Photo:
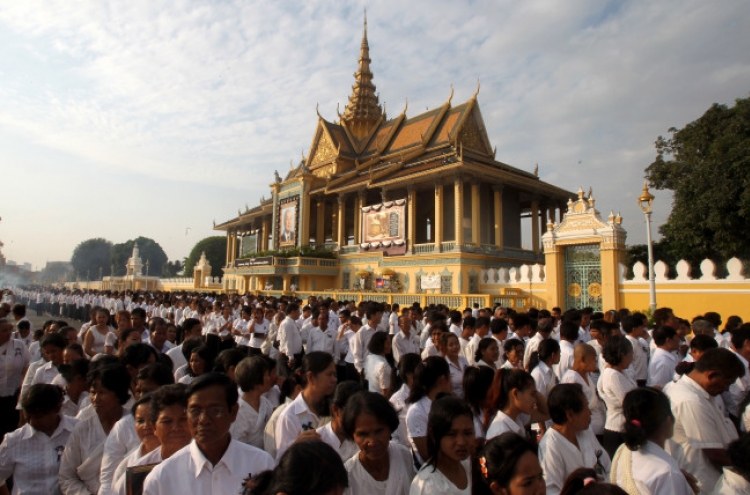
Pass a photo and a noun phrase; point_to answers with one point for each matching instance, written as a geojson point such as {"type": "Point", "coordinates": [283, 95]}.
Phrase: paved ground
{"type": "Point", "coordinates": [38, 321]}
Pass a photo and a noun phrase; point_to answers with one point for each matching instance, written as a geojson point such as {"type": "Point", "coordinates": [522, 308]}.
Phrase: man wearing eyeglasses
{"type": "Point", "coordinates": [213, 462]}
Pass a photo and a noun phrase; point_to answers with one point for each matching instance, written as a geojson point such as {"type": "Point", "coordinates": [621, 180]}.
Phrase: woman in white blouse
{"type": "Point", "coordinates": [540, 365]}
{"type": "Point", "coordinates": [306, 412]}
{"type": "Point", "coordinates": [513, 354]}
{"type": "Point", "coordinates": [513, 403]}
{"type": "Point", "coordinates": [641, 465]}
{"type": "Point", "coordinates": [477, 383]}
{"type": "Point", "coordinates": [487, 354]}
{"type": "Point", "coordinates": [451, 350]}
{"type": "Point", "coordinates": [109, 390]}
{"type": "Point", "coordinates": [31, 454]}
{"type": "Point", "coordinates": [570, 444]}
{"type": "Point", "coordinates": [333, 432]}
{"type": "Point", "coordinates": [450, 428]}
{"type": "Point", "coordinates": [736, 479]}
{"type": "Point", "coordinates": [144, 430]}
{"type": "Point", "coordinates": [613, 385]}
{"type": "Point", "coordinates": [380, 466]}
{"type": "Point", "coordinates": [584, 364]}
{"type": "Point", "coordinates": [406, 367]}
{"type": "Point", "coordinates": [253, 375]}
{"type": "Point", "coordinates": [377, 370]}
{"type": "Point", "coordinates": [431, 378]}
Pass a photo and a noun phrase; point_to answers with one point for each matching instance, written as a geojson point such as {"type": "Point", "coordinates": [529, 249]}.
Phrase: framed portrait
{"type": "Point", "coordinates": [287, 222]}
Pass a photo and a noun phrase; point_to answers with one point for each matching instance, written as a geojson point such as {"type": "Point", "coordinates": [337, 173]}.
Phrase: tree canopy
{"type": "Point", "coordinates": [150, 251]}
{"type": "Point", "coordinates": [215, 248]}
{"type": "Point", "coordinates": [91, 255]}
{"type": "Point", "coordinates": [707, 166]}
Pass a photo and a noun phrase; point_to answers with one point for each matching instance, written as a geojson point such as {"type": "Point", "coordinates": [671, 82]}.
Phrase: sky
{"type": "Point", "coordinates": [155, 118]}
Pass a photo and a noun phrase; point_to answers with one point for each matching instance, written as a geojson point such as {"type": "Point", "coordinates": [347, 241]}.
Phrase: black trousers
{"type": "Point", "coordinates": [9, 413]}
{"type": "Point", "coordinates": [612, 441]}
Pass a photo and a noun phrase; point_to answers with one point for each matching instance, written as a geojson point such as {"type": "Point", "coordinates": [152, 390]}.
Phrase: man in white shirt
{"type": "Point", "coordinates": [739, 389]}
{"type": "Point", "coordinates": [455, 323]}
{"type": "Point", "coordinates": [663, 362]}
{"type": "Point", "coordinates": [290, 340]}
{"type": "Point", "coordinates": [481, 329]}
{"type": "Point", "coordinates": [213, 462]}
{"type": "Point", "coordinates": [321, 337]}
{"type": "Point", "coordinates": [635, 331]}
{"type": "Point", "coordinates": [499, 330]}
{"type": "Point", "coordinates": [192, 329]}
{"type": "Point", "coordinates": [362, 338]}
{"type": "Point", "coordinates": [701, 432]}
{"type": "Point", "coordinates": [393, 319]}
{"type": "Point", "coordinates": [543, 331]}
{"type": "Point", "coordinates": [404, 342]}
{"type": "Point", "coordinates": [568, 338]}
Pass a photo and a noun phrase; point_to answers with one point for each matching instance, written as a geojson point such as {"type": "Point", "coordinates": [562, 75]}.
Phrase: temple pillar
{"type": "Point", "coordinates": [341, 237]}
{"type": "Point", "coordinates": [411, 216]}
{"type": "Point", "coordinates": [458, 203]}
{"type": "Point", "coordinates": [305, 215]}
{"type": "Point", "coordinates": [359, 203]}
{"type": "Point", "coordinates": [535, 225]}
{"type": "Point", "coordinates": [229, 246]}
{"type": "Point", "coordinates": [265, 230]}
{"type": "Point", "coordinates": [476, 226]}
{"type": "Point", "coordinates": [320, 233]}
{"type": "Point", "coordinates": [498, 202]}
{"type": "Point", "coordinates": [438, 216]}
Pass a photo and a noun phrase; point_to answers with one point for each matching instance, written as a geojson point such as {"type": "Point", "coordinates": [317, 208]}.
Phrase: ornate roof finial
{"type": "Point", "coordinates": [450, 97]}
{"type": "Point", "coordinates": [476, 93]}
{"type": "Point", "coordinates": [363, 110]}
{"type": "Point", "coordinates": [536, 170]}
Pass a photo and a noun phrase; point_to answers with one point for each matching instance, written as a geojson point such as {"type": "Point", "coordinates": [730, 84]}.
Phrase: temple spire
{"type": "Point", "coordinates": [363, 110]}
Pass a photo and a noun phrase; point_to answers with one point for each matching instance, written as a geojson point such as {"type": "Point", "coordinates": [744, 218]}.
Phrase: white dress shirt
{"type": "Point", "coordinates": [402, 344]}
{"type": "Point", "coordinates": [457, 376]}
{"type": "Point", "coordinates": [121, 440]}
{"type": "Point", "coordinates": [398, 400]}
{"type": "Point", "coordinates": [567, 356]}
{"type": "Point", "coordinates": [290, 340]}
{"type": "Point", "coordinates": [321, 340]}
{"type": "Point", "coordinates": [699, 424]}
{"type": "Point", "coordinates": [295, 419]}
{"type": "Point", "coordinates": [33, 458]}
{"type": "Point", "coordinates": [651, 469]}
{"type": "Point", "coordinates": [531, 346]}
{"type": "Point", "coordinates": [346, 449]}
{"type": "Point", "coordinates": [249, 425]}
{"type": "Point", "coordinates": [661, 368]}
{"type": "Point", "coordinates": [639, 366]}
{"type": "Point", "coordinates": [416, 422]}
{"type": "Point", "coordinates": [359, 345]}
{"type": "Point", "coordinates": [596, 405]}
{"type": "Point", "coordinates": [558, 457]}
{"type": "Point", "coordinates": [612, 387]}
{"type": "Point", "coordinates": [188, 472]}
{"type": "Point", "coordinates": [377, 373]}
{"type": "Point", "coordinates": [430, 481]}
{"type": "Point", "coordinates": [731, 483]}
{"type": "Point", "coordinates": [14, 359]}
{"type": "Point", "coordinates": [502, 423]}
{"type": "Point", "coordinates": [544, 378]}
{"type": "Point", "coordinates": [399, 479]}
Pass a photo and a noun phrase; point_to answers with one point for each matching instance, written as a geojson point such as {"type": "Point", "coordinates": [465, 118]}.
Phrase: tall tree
{"type": "Point", "coordinates": [707, 166]}
{"type": "Point", "coordinates": [215, 248]}
{"type": "Point", "coordinates": [150, 251]}
{"type": "Point", "coordinates": [91, 255]}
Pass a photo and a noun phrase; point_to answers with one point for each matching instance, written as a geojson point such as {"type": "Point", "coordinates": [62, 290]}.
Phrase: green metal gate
{"type": "Point", "coordinates": [583, 277]}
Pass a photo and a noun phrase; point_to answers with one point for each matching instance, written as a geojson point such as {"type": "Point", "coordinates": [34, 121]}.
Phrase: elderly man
{"type": "Point", "coordinates": [213, 462]}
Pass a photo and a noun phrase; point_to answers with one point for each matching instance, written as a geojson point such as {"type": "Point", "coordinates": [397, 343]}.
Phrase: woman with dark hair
{"type": "Point", "coordinates": [450, 442]}
{"type": "Point", "coordinates": [305, 413]}
{"type": "Point", "coordinates": [583, 482]}
{"type": "Point", "coordinates": [570, 444]}
{"type": "Point", "coordinates": [109, 390]}
{"type": "Point", "coordinates": [508, 465]}
{"type": "Point", "coordinates": [540, 365]}
{"type": "Point", "coordinates": [253, 376]}
{"type": "Point", "coordinates": [736, 479]}
{"type": "Point", "coordinates": [201, 361]}
{"type": "Point", "coordinates": [407, 364]}
{"type": "Point", "coordinates": [380, 466]}
{"type": "Point", "coordinates": [513, 354]}
{"type": "Point", "coordinates": [377, 370]}
{"type": "Point", "coordinates": [290, 388]}
{"type": "Point", "coordinates": [613, 385]}
{"type": "Point", "coordinates": [488, 352]}
{"type": "Point", "coordinates": [306, 468]}
{"type": "Point", "coordinates": [30, 454]}
{"type": "Point", "coordinates": [513, 403]}
{"type": "Point", "coordinates": [333, 433]}
{"type": "Point", "coordinates": [477, 383]}
{"type": "Point", "coordinates": [127, 337]}
{"type": "Point", "coordinates": [431, 378]}
{"type": "Point", "coordinates": [144, 430]}
{"type": "Point", "coordinates": [450, 348]}
{"type": "Point", "coordinates": [641, 466]}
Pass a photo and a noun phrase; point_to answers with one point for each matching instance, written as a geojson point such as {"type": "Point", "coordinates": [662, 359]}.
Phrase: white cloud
{"type": "Point", "coordinates": [212, 97]}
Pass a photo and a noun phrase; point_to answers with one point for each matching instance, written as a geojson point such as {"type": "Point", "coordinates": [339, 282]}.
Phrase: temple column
{"type": "Point", "coordinates": [229, 246]}
{"type": "Point", "coordinates": [476, 226]}
{"type": "Point", "coordinates": [458, 203]}
{"type": "Point", "coordinates": [438, 216]}
{"type": "Point", "coordinates": [320, 233]}
{"type": "Point", "coordinates": [535, 225]}
{"type": "Point", "coordinates": [341, 237]}
{"type": "Point", "coordinates": [359, 203]}
{"type": "Point", "coordinates": [498, 202]}
{"type": "Point", "coordinates": [305, 215]}
{"type": "Point", "coordinates": [411, 216]}
{"type": "Point", "coordinates": [266, 228]}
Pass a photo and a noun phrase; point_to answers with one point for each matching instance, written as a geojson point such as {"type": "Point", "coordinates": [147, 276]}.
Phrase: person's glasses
{"type": "Point", "coordinates": [212, 413]}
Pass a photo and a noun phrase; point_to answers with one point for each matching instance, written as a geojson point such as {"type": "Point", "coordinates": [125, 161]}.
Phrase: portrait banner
{"type": "Point", "coordinates": [286, 226]}
{"type": "Point", "coordinates": [383, 227]}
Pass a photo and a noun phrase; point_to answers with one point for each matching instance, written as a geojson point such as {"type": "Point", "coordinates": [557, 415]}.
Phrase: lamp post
{"type": "Point", "coordinates": [645, 201]}
{"type": "Point", "coordinates": [147, 263]}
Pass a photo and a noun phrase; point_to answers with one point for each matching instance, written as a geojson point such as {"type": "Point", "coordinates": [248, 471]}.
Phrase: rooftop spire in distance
{"type": "Point", "coordinates": [363, 110]}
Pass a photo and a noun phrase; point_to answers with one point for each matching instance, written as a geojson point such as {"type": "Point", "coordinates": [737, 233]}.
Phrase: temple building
{"type": "Point", "coordinates": [405, 204]}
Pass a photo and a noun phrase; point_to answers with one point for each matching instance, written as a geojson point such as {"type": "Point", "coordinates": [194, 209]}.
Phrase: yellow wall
{"type": "Point", "coordinates": [692, 298]}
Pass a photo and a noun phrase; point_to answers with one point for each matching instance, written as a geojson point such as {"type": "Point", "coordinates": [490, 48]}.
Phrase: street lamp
{"type": "Point", "coordinates": [645, 201]}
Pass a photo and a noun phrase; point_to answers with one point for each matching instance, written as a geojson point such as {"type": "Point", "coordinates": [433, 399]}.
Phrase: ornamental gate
{"type": "Point", "coordinates": [583, 277]}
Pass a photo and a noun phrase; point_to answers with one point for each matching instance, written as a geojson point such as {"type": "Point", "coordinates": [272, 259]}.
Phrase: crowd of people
{"type": "Point", "coordinates": [230, 394]}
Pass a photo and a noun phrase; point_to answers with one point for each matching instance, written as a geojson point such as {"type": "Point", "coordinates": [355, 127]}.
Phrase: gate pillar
{"type": "Point", "coordinates": [582, 257]}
